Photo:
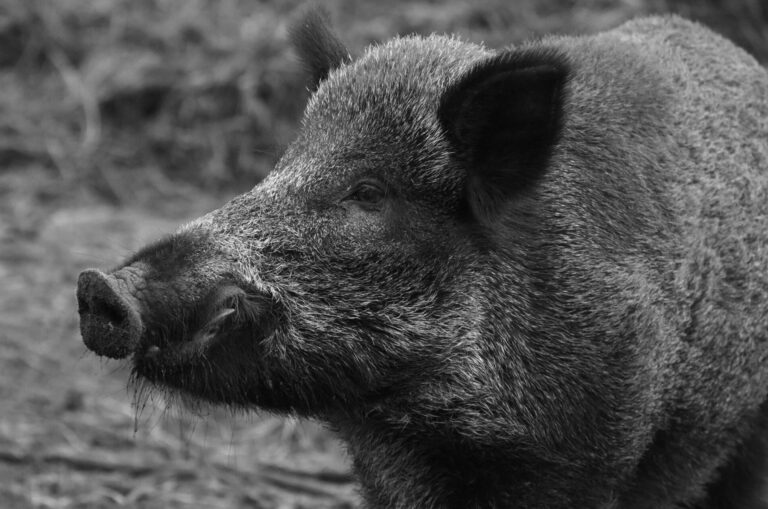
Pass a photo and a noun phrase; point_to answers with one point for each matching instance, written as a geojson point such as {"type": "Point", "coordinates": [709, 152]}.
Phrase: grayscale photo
{"type": "Point", "coordinates": [384, 255]}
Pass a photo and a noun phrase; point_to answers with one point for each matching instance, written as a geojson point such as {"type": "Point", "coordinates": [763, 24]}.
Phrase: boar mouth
{"type": "Point", "coordinates": [166, 335]}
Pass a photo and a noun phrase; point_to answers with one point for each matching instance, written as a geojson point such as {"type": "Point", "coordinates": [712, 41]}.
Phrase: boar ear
{"type": "Point", "coordinates": [502, 119]}
{"type": "Point", "coordinates": [319, 49]}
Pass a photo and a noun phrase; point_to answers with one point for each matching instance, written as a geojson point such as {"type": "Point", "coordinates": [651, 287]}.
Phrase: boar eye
{"type": "Point", "coordinates": [367, 193]}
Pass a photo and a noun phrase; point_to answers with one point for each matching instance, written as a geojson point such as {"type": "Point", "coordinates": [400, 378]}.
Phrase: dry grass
{"type": "Point", "coordinates": [164, 107]}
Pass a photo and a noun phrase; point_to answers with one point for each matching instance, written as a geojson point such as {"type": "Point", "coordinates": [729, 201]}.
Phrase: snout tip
{"type": "Point", "coordinates": [110, 324]}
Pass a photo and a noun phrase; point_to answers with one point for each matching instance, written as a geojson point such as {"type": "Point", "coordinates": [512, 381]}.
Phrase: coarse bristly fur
{"type": "Point", "coordinates": [534, 277]}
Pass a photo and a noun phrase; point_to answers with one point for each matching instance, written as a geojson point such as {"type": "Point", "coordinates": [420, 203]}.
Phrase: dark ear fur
{"type": "Point", "coordinates": [503, 118]}
{"type": "Point", "coordinates": [318, 47]}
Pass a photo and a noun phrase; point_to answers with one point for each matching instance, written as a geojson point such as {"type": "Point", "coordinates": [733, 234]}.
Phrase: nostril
{"type": "Point", "coordinates": [109, 320]}
{"type": "Point", "coordinates": [111, 313]}
{"type": "Point", "coordinates": [101, 301]}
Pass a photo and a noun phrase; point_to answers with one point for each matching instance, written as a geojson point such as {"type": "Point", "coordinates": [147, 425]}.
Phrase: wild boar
{"type": "Point", "coordinates": [534, 277]}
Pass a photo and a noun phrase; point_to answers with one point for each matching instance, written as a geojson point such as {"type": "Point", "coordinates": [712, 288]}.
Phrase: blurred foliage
{"type": "Point", "coordinates": [156, 98]}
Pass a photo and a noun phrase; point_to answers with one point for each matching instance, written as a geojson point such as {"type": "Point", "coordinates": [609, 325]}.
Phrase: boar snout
{"type": "Point", "coordinates": [109, 321]}
{"type": "Point", "coordinates": [168, 326]}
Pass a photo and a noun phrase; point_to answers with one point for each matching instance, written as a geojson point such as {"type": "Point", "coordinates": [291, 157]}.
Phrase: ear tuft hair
{"type": "Point", "coordinates": [319, 49]}
{"type": "Point", "coordinates": [503, 119]}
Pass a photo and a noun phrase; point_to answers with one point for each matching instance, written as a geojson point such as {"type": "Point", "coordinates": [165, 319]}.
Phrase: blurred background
{"type": "Point", "coordinates": [119, 119]}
